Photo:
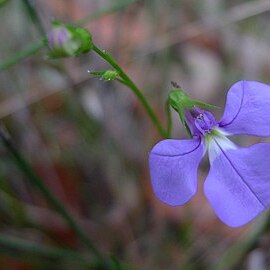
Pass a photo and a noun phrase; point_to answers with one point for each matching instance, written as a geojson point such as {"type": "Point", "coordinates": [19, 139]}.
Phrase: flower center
{"type": "Point", "coordinates": [205, 122]}
{"type": "Point", "coordinates": [217, 143]}
{"type": "Point", "coordinates": [200, 122]}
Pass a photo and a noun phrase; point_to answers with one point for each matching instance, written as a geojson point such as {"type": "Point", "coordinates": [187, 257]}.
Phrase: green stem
{"type": "Point", "coordinates": [16, 244]}
{"type": "Point", "coordinates": [35, 46]}
{"type": "Point", "coordinates": [33, 14]}
{"type": "Point", "coordinates": [29, 50]}
{"type": "Point", "coordinates": [51, 199]}
{"type": "Point", "coordinates": [129, 83]}
{"type": "Point", "coordinates": [169, 118]}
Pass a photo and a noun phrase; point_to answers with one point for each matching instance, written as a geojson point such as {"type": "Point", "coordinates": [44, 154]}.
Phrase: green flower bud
{"type": "Point", "coordinates": [109, 75]}
{"type": "Point", "coordinates": [106, 75]}
{"type": "Point", "coordinates": [66, 40]}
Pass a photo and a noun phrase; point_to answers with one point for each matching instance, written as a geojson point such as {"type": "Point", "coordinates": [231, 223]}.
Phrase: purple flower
{"type": "Point", "coordinates": [238, 184]}
{"type": "Point", "coordinates": [61, 42]}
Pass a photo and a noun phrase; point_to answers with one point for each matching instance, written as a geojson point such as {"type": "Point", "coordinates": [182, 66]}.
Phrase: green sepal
{"type": "Point", "coordinates": [106, 75]}
{"type": "Point", "coordinates": [204, 105]}
{"type": "Point", "coordinates": [181, 114]}
{"type": "Point", "coordinates": [181, 102]}
{"type": "Point", "coordinates": [178, 98]}
{"type": "Point", "coordinates": [83, 36]}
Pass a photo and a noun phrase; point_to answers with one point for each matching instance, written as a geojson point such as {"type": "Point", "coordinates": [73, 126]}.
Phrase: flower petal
{"type": "Point", "coordinates": [247, 109]}
{"type": "Point", "coordinates": [218, 144]}
{"type": "Point", "coordinates": [238, 184]}
{"type": "Point", "coordinates": [173, 169]}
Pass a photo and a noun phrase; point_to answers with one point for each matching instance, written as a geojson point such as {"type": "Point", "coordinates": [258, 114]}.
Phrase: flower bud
{"type": "Point", "coordinates": [66, 40]}
{"type": "Point", "coordinates": [109, 75]}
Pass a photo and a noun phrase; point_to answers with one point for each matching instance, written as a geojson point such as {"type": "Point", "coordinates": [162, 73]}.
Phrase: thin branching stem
{"type": "Point", "coordinates": [169, 118]}
{"type": "Point", "coordinates": [37, 182]}
{"type": "Point", "coordinates": [25, 246]}
{"type": "Point", "coordinates": [130, 84]}
{"type": "Point", "coordinates": [24, 53]}
{"type": "Point", "coordinates": [35, 46]}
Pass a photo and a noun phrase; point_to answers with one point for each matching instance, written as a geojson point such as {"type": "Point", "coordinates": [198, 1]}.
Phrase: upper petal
{"type": "Point", "coordinates": [238, 184]}
{"type": "Point", "coordinates": [173, 169]}
{"type": "Point", "coordinates": [247, 109]}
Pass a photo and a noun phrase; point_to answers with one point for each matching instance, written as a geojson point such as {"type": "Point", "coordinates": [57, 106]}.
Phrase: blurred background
{"type": "Point", "coordinates": [89, 139]}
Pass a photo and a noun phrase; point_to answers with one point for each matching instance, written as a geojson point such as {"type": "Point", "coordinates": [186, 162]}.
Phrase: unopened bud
{"type": "Point", "coordinates": [109, 75]}
{"type": "Point", "coordinates": [66, 40]}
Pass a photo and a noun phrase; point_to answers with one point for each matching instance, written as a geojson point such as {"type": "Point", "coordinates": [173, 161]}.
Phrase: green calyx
{"type": "Point", "coordinates": [181, 103]}
{"type": "Point", "coordinates": [179, 100]}
{"type": "Point", "coordinates": [107, 75]}
{"type": "Point", "coordinates": [83, 37]}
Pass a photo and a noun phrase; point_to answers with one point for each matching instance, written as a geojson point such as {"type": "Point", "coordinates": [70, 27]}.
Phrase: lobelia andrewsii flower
{"type": "Point", "coordinates": [238, 184]}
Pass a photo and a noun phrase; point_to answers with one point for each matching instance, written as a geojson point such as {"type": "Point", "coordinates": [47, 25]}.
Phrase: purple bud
{"type": "Point", "coordinates": [68, 40]}
{"type": "Point", "coordinates": [58, 37]}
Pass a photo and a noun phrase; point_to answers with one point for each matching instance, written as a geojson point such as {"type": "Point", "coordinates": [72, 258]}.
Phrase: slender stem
{"type": "Point", "coordinates": [169, 118]}
{"type": "Point", "coordinates": [33, 14]}
{"type": "Point", "coordinates": [129, 83]}
{"type": "Point", "coordinates": [35, 46]}
{"type": "Point", "coordinates": [52, 200]}
{"type": "Point", "coordinates": [24, 53]}
{"type": "Point", "coordinates": [14, 243]}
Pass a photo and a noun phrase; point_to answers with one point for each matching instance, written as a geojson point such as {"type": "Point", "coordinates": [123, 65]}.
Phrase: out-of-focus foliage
{"type": "Point", "coordinates": [89, 139]}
